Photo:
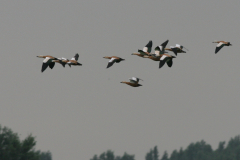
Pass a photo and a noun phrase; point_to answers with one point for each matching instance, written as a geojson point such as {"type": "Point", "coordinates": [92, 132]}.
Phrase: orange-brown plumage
{"type": "Point", "coordinates": [113, 59]}
{"type": "Point", "coordinates": [131, 84]}
{"type": "Point", "coordinates": [221, 44]}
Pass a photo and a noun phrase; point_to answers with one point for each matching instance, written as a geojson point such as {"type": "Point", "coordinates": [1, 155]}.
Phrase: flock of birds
{"type": "Point", "coordinates": [50, 61]}
{"type": "Point", "coordinates": [158, 55]}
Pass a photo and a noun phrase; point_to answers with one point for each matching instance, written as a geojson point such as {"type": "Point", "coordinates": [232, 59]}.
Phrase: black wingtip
{"type": "Point", "coordinates": [44, 67]}
{"type": "Point", "coordinates": [161, 63]}
{"type": "Point", "coordinates": [164, 44]}
{"type": "Point", "coordinates": [149, 45]}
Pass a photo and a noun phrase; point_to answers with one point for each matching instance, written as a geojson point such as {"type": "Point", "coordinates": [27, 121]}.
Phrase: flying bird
{"type": "Point", "coordinates": [113, 59]}
{"type": "Point", "coordinates": [177, 49]}
{"type": "Point", "coordinates": [146, 50]}
{"type": "Point", "coordinates": [221, 44]}
{"type": "Point", "coordinates": [48, 61]}
{"type": "Point", "coordinates": [160, 50]}
{"type": "Point", "coordinates": [133, 82]}
{"type": "Point", "coordinates": [74, 61]}
{"type": "Point", "coordinates": [166, 59]}
{"type": "Point", "coordinates": [63, 61]}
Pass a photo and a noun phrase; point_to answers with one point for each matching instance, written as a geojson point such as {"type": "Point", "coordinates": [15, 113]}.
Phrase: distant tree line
{"type": "Point", "coordinates": [195, 151]}
{"type": "Point", "coordinates": [12, 148]}
{"type": "Point", "coordinates": [109, 155]}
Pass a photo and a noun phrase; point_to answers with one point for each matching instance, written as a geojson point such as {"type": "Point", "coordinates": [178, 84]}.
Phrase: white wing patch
{"type": "Point", "coordinates": [145, 49]}
{"type": "Point", "coordinates": [134, 78]}
{"type": "Point", "coordinates": [178, 45]}
{"type": "Point", "coordinates": [46, 60]}
{"type": "Point", "coordinates": [161, 48]}
{"type": "Point", "coordinates": [163, 57]}
{"type": "Point", "coordinates": [220, 44]}
{"type": "Point", "coordinates": [112, 59]}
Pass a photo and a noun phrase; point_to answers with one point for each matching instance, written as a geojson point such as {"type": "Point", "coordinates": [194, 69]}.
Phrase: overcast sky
{"type": "Point", "coordinates": [85, 110]}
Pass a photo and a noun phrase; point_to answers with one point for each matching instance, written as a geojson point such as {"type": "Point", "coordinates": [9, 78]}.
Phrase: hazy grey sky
{"type": "Point", "coordinates": [85, 110]}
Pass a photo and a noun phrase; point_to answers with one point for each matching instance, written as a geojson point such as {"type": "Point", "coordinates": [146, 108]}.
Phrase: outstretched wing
{"type": "Point", "coordinates": [163, 60]}
{"type": "Point", "coordinates": [179, 46]}
{"type": "Point", "coordinates": [164, 44]}
{"type": "Point", "coordinates": [111, 62]}
{"type": "Point", "coordinates": [219, 46]}
{"type": "Point", "coordinates": [159, 50]}
{"type": "Point", "coordinates": [44, 66]}
{"type": "Point", "coordinates": [51, 65]}
{"type": "Point", "coordinates": [75, 57]}
{"type": "Point", "coordinates": [134, 80]}
{"type": "Point", "coordinates": [148, 47]}
{"type": "Point", "coordinates": [169, 63]}
{"type": "Point", "coordinates": [175, 50]}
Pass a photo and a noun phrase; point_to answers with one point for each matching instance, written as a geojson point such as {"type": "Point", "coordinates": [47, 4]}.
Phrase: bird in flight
{"type": "Point", "coordinates": [221, 44]}
{"type": "Point", "coordinates": [48, 61]}
{"type": "Point", "coordinates": [133, 82]}
{"type": "Point", "coordinates": [113, 59]}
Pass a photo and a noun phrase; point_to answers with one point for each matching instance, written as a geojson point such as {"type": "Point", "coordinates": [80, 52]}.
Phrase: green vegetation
{"type": "Point", "coordinates": [195, 151]}
{"type": "Point", "coordinates": [12, 148]}
{"type": "Point", "coordinates": [109, 155]}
